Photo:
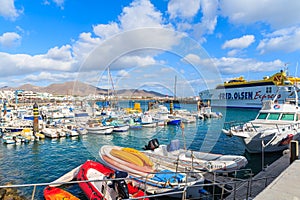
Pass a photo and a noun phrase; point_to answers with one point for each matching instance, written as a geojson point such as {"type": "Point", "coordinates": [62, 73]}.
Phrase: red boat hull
{"type": "Point", "coordinates": [88, 188]}
{"type": "Point", "coordinates": [54, 193]}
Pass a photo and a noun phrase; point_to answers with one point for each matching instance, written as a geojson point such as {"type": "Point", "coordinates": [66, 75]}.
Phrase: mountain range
{"type": "Point", "coordinates": [77, 88]}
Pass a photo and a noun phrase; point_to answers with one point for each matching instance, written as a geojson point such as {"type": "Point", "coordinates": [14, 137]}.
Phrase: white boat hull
{"type": "Point", "coordinates": [244, 97]}
{"type": "Point", "coordinates": [101, 130]}
{"type": "Point", "coordinates": [194, 182]}
{"type": "Point", "coordinates": [121, 128]}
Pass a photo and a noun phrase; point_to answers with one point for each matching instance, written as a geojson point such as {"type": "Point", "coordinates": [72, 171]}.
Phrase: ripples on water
{"type": "Point", "coordinates": [47, 160]}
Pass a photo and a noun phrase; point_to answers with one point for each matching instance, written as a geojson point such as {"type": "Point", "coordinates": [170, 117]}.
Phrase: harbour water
{"type": "Point", "coordinates": [46, 160]}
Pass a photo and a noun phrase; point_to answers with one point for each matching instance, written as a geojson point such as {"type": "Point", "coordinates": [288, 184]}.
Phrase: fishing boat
{"type": "Point", "coordinates": [55, 193]}
{"type": "Point", "coordinates": [98, 126]}
{"type": "Point", "coordinates": [70, 129]}
{"type": "Point", "coordinates": [121, 128]}
{"type": "Point", "coordinates": [174, 121]}
{"type": "Point", "coordinates": [147, 121]}
{"type": "Point", "coordinates": [153, 178]}
{"type": "Point", "coordinates": [100, 130]}
{"type": "Point", "coordinates": [172, 156]}
{"type": "Point", "coordinates": [105, 183]}
{"type": "Point", "coordinates": [275, 125]}
{"type": "Point", "coordinates": [82, 131]}
{"type": "Point", "coordinates": [51, 132]}
{"type": "Point", "coordinates": [240, 93]}
{"type": "Point", "coordinates": [134, 125]}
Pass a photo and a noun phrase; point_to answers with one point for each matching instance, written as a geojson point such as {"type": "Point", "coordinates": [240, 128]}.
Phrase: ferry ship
{"type": "Point", "coordinates": [239, 93]}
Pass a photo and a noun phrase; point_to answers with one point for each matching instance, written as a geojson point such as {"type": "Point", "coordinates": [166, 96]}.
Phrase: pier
{"type": "Point", "coordinates": [277, 181]}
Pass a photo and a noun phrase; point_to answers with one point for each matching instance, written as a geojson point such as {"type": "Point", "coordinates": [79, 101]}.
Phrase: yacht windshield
{"type": "Point", "coordinates": [273, 116]}
{"type": "Point", "coordinates": [287, 117]}
{"type": "Point", "coordinates": [262, 116]}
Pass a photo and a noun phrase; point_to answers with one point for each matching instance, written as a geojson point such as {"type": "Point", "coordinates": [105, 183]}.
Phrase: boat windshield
{"type": "Point", "coordinates": [262, 116]}
{"type": "Point", "coordinates": [273, 116]}
{"type": "Point", "coordinates": [287, 117]}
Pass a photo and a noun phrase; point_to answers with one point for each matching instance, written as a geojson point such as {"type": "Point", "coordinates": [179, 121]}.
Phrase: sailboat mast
{"type": "Point", "coordinates": [108, 83]}
{"type": "Point", "coordinates": [175, 85]}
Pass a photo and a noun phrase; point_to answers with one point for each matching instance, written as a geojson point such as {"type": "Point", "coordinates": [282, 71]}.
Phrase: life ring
{"type": "Point", "coordinates": [276, 106]}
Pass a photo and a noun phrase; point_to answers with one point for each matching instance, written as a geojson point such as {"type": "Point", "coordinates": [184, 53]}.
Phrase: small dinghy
{"type": "Point", "coordinates": [105, 183]}
{"type": "Point", "coordinates": [203, 161]}
{"type": "Point", "coordinates": [55, 193]}
{"type": "Point", "coordinates": [153, 178]}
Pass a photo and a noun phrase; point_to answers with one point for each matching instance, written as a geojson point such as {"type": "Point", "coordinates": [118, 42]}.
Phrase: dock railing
{"type": "Point", "coordinates": [240, 188]}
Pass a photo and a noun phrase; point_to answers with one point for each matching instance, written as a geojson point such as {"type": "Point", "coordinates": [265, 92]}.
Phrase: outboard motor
{"type": "Point", "coordinates": [121, 185]}
{"type": "Point", "coordinates": [152, 144]}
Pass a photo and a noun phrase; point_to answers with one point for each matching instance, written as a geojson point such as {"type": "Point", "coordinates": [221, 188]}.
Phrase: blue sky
{"type": "Point", "coordinates": [147, 43]}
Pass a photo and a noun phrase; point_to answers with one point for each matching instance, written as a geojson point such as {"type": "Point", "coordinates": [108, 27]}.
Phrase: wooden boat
{"type": "Point", "coordinates": [55, 193]}
{"type": "Point", "coordinates": [157, 179]}
{"type": "Point", "coordinates": [104, 185]}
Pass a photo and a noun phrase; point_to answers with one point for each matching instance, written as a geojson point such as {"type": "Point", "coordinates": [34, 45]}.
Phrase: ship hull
{"type": "Point", "coordinates": [244, 97]}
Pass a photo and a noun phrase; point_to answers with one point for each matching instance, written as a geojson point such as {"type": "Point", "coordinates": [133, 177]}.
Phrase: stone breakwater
{"type": "Point", "coordinates": [10, 194]}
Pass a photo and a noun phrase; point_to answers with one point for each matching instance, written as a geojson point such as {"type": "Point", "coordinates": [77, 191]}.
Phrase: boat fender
{"type": "Point", "coordinates": [203, 191]}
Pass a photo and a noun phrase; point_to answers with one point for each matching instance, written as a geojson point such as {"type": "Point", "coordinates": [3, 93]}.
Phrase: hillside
{"type": "Point", "coordinates": [82, 89]}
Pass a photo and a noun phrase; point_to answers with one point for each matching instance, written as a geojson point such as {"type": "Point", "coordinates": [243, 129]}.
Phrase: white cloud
{"type": "Point", "coordinates": [10, 39]}
{"type": "Point", "coordinates": [192, 58]}
{"type": "Point", "coordinates": [183, 9]}
{"type": "Point", "coordinates": [239, 65]}
{"type": "Point", "coordinates": [133, 61]}
{"type": "Point", "coordinates": [140, 14]}
{"type": "Point", "coordinates": [239, 43]}
{"type": "Point", "coordinates": [286, 40]}
{"type": "Point", "coordinates": [21, 64]}
{"type": "Point", "coordinates": [146, 41]}
{"type": "Point", "coordinates": [47, 77]}
{"type": "Point", "coordinates": [233, 52]}
{"type": "Point", "coordinates": [234, 65]}
{"type": "Point", "coordinates": [59, 3]}
{"type": "Point", "coordinates": [278, 14]}
{"type": "Point", "coordinates": [105, 31]}
{"type": "Point", "coordinates": [84, 45]}
{"type": "Point", "coordinates": [60, 54]}
{"type": "Point", "coordinates": [8, 10]}
{"type": "Point", "coordinates": [123, 73]}
{"type": "Point", "coordinates": [209, 19]}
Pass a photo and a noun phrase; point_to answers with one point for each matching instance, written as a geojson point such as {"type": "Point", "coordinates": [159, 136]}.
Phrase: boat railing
{"type": "Point", "coordinates": [237, 125]}
{"type": "Point", "coordinates": [240, 126]}
{"type": "Point", "coordinates": [239, 188]}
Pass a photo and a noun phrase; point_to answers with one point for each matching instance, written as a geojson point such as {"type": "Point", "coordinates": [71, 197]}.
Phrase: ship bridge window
{"type": "Point", "coordinates": [273, 116]}
{"type": "Point", "coordinates": [262, 116]}
{"type": "Point", "coordinates": [287, 117]}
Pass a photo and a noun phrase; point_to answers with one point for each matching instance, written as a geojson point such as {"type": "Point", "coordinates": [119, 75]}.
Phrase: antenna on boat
{"type": "Point", "coordinates": [296, 70]}
{"type": "Point", "coordinates": [286, 69]}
